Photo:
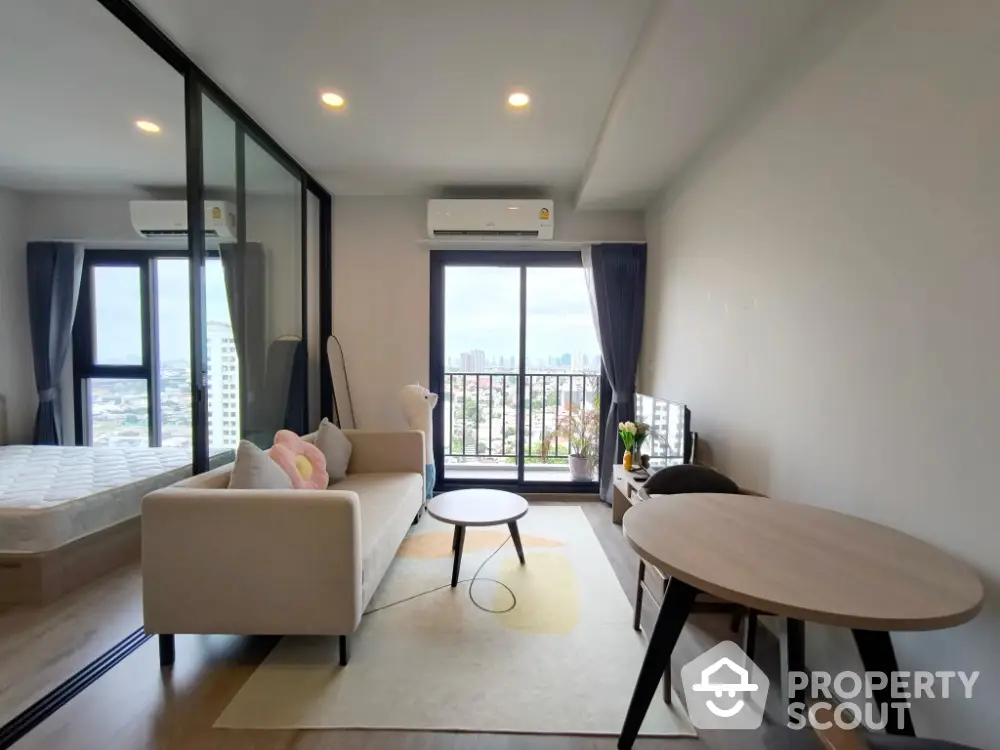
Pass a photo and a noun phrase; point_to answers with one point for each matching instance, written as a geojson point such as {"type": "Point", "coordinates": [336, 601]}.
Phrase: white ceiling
{"type": "Point", "coordinates": [73, 80]}
{"type": "Point", "coordinates": [624, 91]}
{"type": "Point", "coordinates": [697, 62]}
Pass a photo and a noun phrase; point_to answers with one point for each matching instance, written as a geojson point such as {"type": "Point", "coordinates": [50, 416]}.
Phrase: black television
{"type": "Point", "coordinates": [670, 438]}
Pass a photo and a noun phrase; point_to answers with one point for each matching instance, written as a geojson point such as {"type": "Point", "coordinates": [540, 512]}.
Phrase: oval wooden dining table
{"type": "Point", "coordinates": [796, 561]}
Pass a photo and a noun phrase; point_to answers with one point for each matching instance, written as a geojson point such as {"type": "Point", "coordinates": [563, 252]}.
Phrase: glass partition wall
{"type": "Point", "coordinates": [250, 258]}
{"type": "Point", "coordinates": [184, 339]}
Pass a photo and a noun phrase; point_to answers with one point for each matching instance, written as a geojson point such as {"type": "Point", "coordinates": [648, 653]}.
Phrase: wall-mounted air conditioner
{"type": "Point", "coordinates": [459, 218]}
{"type": "Point", "coordinates": [166, 219]}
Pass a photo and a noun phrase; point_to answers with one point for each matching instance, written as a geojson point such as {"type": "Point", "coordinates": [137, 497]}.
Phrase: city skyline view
{"type": "Point", "coordinates": [482, 313]}
{"type": "Point", "coordinates": [117, 300]}
{"type": "Point", "coordinates": [119, 408]}
{"type": "Point", "coordinates": [478, 360]}
{"type": "Point", "coordinates": [482, 335]}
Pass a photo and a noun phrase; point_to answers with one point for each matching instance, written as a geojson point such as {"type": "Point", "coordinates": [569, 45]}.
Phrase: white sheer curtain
{"type": "Point", "coordinates": [588, 275]}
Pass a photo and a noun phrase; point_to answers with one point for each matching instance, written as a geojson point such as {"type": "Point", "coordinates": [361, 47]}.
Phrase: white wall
{"type": "Point", "coordinates": [381, 291]}
{"type": "Point", "coordinates": [823, 293]}
{"type": "Point", "coordinates": [17, 374]}
{"type": "Point", "coordinates": [98, 219]}
{"type": "Point", "coordinates": [80, 217]}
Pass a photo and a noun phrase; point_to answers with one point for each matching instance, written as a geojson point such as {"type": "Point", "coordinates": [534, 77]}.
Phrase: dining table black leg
{"type": "Point", "coordinates": [459, 543]}
{"type": "Point", "coordinates": [750, 633]}
{"type": "Point", "coordinates": [878, 655]}
{"type": "Point", "coordinates": [673, 614]}
{"type": "Point", "coordinates": [793, 657]}
{"type": "Point", "coordinates": [454, 539]}
{"type": "Point", "coordinates": [516, 536]}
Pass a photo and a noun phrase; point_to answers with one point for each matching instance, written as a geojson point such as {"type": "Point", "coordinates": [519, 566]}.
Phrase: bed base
{"type": "Point", "coordinates": [40, 577]}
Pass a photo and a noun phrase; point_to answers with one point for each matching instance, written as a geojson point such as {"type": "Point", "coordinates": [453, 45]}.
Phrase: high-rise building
{"type": "Point", "coordinates": [223, 387]}
{"type": "Point", "coordinates": [474, 361]}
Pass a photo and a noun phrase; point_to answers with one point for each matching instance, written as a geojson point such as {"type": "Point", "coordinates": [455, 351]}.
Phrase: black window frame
{"type": "Point", "coordinates": [85, 368]}
{"type": "Point", "coordinates": [517, 258]}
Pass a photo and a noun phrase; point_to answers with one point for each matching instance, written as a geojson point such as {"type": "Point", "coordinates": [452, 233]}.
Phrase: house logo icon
{"type": "Point", "coordinates": [724, 689]}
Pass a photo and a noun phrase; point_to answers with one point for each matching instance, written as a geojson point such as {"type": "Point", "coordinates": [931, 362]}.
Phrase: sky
{"type": "Point", "coordinates": [482, 304]}
{"type": "Point", "coordinates": [117, 308]}
{"type": "Point", "coordinates": [481, 309]}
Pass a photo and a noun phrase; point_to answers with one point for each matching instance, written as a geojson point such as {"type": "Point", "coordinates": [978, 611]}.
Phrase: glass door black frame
{"type": "Point", "coordinates": [196, 84]}
{"type": "Point", "coordinates": [523, 259]}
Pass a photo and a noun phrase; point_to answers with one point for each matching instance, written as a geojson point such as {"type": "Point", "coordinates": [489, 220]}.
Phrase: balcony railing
{"type": "Point", "coordinates": [480, 412]}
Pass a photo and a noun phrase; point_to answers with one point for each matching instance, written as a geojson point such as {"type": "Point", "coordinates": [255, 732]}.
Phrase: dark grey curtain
{"type": "Point", "coordinates": [54, 272]}
{"type": "Point", "coordinates": [619, 290]}
{"type": "Point", "coordinates": [244, 268]}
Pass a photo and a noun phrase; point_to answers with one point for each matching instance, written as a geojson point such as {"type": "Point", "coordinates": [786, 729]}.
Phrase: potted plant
{"type": "Point", "coordinates": [579, 426]}
{"type": "Point", "coordinates": [626, 431]}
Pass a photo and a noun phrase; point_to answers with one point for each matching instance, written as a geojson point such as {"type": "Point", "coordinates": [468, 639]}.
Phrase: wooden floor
{"type": "Point", "coordinates": [41, 646]}
{"type": "Point", "coordinates": [137, 707]}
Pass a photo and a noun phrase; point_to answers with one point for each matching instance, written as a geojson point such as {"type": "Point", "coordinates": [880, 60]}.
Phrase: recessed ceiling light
{"type": "Point", "coordinates": [332, 99]}
{"type": "Point", "coordinates": [147, 126]}
{"type": "Point", "coordinates": [518, 99]}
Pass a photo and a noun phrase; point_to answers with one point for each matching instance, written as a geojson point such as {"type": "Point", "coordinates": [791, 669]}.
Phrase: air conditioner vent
{"type": "Point", "coordinates": [527, 233]}
{"type": "Point", "coordinates": [168, 233]}
{"type": "Point", "coordinates": [494, 218]}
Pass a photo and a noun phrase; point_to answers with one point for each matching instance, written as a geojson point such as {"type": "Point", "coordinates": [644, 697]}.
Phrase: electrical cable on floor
{"type": "Point", "coordinates": [471, 582]}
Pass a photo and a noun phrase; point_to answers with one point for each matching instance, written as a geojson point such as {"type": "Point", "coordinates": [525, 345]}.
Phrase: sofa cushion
{"type": "Point", "coordinates": [255, 470]}
{"type": "Point", "coordinates": [336, 447]}
{"type": "Point", "coordinates": [388, 503]}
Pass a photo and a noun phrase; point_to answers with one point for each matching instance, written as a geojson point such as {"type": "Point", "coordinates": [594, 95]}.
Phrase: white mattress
{"type": "Point", "coordinates": [52, 495]}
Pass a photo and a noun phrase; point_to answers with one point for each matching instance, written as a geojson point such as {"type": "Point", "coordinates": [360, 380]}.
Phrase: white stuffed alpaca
{"type": "Point", "coordinates": [418, 403]}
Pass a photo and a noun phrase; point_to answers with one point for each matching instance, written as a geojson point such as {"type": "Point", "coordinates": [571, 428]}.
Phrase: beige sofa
{"type": "Point", "coordinates": [289, 562]}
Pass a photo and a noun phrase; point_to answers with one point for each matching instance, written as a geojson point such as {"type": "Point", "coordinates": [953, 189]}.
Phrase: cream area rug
{"type": "Point", "coordinates": [564, 660]}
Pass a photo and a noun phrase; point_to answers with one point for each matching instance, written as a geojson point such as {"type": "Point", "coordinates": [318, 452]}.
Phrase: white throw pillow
{"type": "Point", "coordinates": [336, 447]}
{"type": "Point", "coordinates": [255, 470]}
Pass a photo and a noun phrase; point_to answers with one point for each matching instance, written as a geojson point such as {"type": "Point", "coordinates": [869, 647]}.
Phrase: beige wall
{"type": "Point", "coordinates": [823, 293]}
{"type": "Point", "coordinates": [17, 374]}
{"type": "Point", "coordinates": [381, 291]}
{"type": "Point", "coordinates": [80, 216]}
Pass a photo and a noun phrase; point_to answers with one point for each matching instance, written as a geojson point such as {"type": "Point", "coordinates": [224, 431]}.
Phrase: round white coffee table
{"type": "Point", "coordinates": [478, 508]}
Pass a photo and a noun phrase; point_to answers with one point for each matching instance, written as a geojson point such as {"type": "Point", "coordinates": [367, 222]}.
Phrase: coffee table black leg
{"type": "Point", "coordinates": [454, 540]}
{"type": "Point", "coordinates": [459, 543]}
{"type": "Point", "coordinates": [516, 536]}
{"type": "Point", "coordinates": [793, 657]}
{"type": "Point", "coordinates": [674, 612]}
{"type": "Point", "coordinates": [878, 655]}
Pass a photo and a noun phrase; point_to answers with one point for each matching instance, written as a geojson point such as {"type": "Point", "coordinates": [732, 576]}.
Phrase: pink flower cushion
{"type": "Point", "coordinates": [303, 462]}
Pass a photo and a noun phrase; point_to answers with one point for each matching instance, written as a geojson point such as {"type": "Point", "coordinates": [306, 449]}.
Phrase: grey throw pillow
{"type": "Point", "coordinates": [684, 478]}
{"type": "Point", "coordinates": [335, 445]}
{"type": "Point", "coordinates": [255, 470]}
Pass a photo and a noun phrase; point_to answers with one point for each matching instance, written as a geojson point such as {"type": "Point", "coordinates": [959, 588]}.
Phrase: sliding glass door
{"type": "Point", "coordinates": [481, 369]}
{"type": "Point", "coordinates": [249, 285]}
{"type": "Point", "coordinates": [516, 362]}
